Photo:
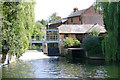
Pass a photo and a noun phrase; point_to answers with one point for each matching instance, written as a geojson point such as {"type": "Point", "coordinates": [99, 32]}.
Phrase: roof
{"type": "Point", "coordinates": [77, 13]}
{"type": "Point", "coordinates": [43, 28]}
{"type": "Point", "coordinates": [58, 21]}
{"type": "Point", "coordinates": [84, 28]}
{"type": "Point", "coordinates": [98, 27]}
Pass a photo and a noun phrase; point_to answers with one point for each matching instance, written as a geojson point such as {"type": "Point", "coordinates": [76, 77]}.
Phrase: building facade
{"type": "Point", "coordinates": [76, 24]}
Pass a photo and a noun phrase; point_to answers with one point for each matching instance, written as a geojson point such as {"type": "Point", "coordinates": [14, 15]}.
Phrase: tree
{"type": "Point", "coordinates": [95, 32]}
{"type": "Point", "coordinates": [111, 44]}
{"type": "Point", "coordinates": [53, 17]}
{"type": "Point", "coordinates": [43, 22]}
{"type": "Point", "coordinates": [18, 24]}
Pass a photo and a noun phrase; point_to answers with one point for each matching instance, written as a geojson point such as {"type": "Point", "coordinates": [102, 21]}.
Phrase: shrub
{"type": "Point", "coordinates": [91, 44]}
{"type": "Point", "coordinates": [42, 33]}
{"type": "Point", "coordinates": [69, 42]}
{"type": "Point", "coordinates": [95, 32]}
{"type": "Point", "coordinates": [76, 42]}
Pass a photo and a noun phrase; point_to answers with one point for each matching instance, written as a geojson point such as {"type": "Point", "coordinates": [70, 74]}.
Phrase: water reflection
{"type": "Point", "coordinates": [0, 72]}
{"type": "Point", "coordinates": [60, 67]}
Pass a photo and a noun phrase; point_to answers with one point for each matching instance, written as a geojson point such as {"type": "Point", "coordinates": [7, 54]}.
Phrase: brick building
{"type": "Point", "coordinates": [86, 16]}
{"type": "Point", "coordinates": [79, 31]}
{"type": "Point", "coordinates": [78, 18]}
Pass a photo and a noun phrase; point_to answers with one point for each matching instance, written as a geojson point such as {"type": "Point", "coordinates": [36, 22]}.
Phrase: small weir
{"type": "Point", "coordinates": [53, 38]}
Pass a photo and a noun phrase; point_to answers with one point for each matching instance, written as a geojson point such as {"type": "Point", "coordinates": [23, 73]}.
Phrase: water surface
{"type": "Point", "coordinates": [60, 67]}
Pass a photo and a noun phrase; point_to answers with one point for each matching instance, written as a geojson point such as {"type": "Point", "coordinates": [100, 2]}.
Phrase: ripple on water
{"type": "Point", "coordinates": [58, 67]}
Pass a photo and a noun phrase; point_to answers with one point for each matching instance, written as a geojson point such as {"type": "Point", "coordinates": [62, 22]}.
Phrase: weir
{"type": "Point", "coordinates": [51, 42]}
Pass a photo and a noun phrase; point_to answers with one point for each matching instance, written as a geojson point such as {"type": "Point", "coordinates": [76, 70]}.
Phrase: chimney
{"type": "Point", "coordinates": [75, 9]}
{"type": "Point", "coordinates": [59, 17]}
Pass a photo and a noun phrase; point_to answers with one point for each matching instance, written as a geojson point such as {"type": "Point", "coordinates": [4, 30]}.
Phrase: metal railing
{"type": "Point", "coordinates": [45, 38]}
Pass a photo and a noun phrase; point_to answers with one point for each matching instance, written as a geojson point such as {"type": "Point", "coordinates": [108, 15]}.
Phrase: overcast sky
{"type": "Point", "coordinates": [44, 8]}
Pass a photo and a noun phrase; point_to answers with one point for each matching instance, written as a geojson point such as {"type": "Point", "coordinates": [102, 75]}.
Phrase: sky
{"type": "Point", "coordinates": [44, 8]}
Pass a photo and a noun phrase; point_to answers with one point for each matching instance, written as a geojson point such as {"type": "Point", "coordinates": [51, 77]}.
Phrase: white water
{"type": "Point", "coordinates": [33, 55]}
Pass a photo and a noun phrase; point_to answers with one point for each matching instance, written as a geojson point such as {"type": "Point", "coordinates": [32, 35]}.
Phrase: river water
{"type": "Point", "coordinates": [60, 67]}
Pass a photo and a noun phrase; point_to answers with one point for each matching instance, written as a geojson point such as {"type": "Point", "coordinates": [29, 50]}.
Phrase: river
{"type": "Point", "coordinates": [59, 67]}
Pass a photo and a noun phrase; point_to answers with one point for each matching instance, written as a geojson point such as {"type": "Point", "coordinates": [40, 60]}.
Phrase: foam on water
{"type": "Point", "coordinates": [32, 55]}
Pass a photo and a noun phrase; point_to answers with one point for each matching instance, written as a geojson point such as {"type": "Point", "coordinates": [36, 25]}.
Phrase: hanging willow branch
{"type": "Point", "coordinates": [110, 17]}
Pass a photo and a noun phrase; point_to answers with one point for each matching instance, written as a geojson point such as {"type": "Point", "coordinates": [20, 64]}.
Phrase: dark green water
{"type": "Point", "coordinates": [0, 73]}
{"type": "Point", "coordinates": [59, 67]}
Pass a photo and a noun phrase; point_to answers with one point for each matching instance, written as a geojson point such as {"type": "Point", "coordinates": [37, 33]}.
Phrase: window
{"type": "Point", "coordinates": [52, 45]}
{"type": "Point", "coordinates": [71, 19]}
{"type": "Point", "coordinates": [79, 37]}
{"type": "Point", "coordinates": [66, 35]}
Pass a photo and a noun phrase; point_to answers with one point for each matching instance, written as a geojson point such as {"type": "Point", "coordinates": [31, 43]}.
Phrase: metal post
{"type": "Point", "coordinates": [39, 37]}
{"type": "Point", "coordinates": [44, 37]}
{"type": "Point", "coordinates": [55, 38]}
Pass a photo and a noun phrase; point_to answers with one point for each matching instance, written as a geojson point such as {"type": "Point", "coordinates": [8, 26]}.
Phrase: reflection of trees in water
{"type": "Point", "coordinates": [54, 67]}
{"type": "Point", "coordinates": [88, 68]}
{"type": "Point", "coordinates": [96, 72]}
{"type": "Point", "coordinates": [101, 69]}
{"type": "Point", "coordinates": [18, 70]}
{"type": "Point", "coordinates": [72, 70]}
{"type": "Point", "coordinates": [0, 73]}
{"type": "Point", "coordinates": [59, 67]}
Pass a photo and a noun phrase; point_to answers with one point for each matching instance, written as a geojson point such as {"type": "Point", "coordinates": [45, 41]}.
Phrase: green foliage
{"type": "Point", "coordinates": [69, 42]}
{"type": "Point", "coordinates": [18, 23]}
{"type": "Point", "coordinates": [91, 44]}
{"type": "Point", "coordinates": [53, 17]}
{"type": "Point", "coordinates": [39, 25]}
{"type": "Point", "coordinates": [35, 31]}
{"type": "Point", "coordinates": [95, 32]}
{"type": "Point", "coordinates": [43, 22]}
{"type": "Point", "coordinates": [76, 42]}
{"type": "Point", "coordinates": [111, 19]}
{"type": "Point", "coordinates": [35, 46]}
{"type": "Point", "coordinates": [42, 33]}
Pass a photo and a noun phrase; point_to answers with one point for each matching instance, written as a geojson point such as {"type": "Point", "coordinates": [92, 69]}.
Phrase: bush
{"type": "Point", "coordinates": [95, 32]}
{"type": "Point", "coordinates": [91, 44]}
{"type": "Point", "coordinates": [76, 42]}
{"type": "Point", "coordinates": [70, 42]}
{"type": "Point", "coordinates": [42, 33]}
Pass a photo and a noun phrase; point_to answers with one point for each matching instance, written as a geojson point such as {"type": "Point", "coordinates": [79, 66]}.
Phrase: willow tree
{"type": "Point", "coordinates": [111, 11]}
{"type": "Point", "coordinates": [18, 23]}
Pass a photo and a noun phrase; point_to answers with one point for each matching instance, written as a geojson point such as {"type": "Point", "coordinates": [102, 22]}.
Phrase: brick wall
{"type": "Point", "coordinates": [72, 35]}
{"type": "Point", "coordinates": [69, 35]}
{"type": "Point", "coordinates": [92, 17]}
{"type": "Point", "coordinates": [62, 35]}
{"type": "Point", "coordinates": [88, 17]}
{"type": "Point", "coordinates": [76, 20]}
